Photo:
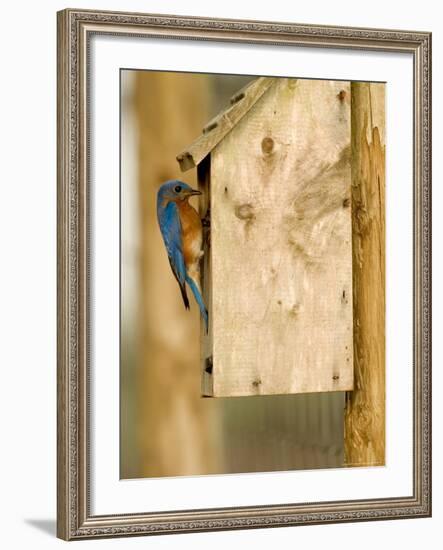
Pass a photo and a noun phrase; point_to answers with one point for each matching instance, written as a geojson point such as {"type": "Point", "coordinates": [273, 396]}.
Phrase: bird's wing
{"type": "Point", "coordinates": [171, 229]}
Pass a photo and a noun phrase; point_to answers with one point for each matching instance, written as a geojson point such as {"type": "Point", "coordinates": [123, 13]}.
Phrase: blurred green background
{"type": "Point", "coordinates": [166, 428]}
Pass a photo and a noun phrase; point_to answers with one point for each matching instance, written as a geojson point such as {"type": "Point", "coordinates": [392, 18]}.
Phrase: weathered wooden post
{"type": "Point", "coordinates": [365, 406]}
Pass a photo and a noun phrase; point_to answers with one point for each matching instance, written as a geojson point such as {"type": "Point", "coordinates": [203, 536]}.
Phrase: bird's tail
{"type": "Point", "coordinates": [199, 299]}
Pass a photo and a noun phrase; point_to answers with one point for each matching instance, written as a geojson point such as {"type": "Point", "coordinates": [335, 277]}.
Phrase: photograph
{"type": "Point", "coordinates": [244, 247]}
{"type": "Point", "coordinates": [252, 264]}
{"type": "Point", "coordinates": [218, 223]}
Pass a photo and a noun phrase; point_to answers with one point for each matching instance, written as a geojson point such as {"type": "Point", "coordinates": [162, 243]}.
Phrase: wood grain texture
{"type": "Point", "coordinates": [365, 406]}
{"type": "Point", "coordinates": [217, 128]}
{"type": "Point", "coordinates": [204, 178]}
{"type": "Point", "coordinates": [281, 244]}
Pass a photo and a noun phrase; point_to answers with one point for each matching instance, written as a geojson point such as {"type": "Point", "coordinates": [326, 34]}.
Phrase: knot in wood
{"type": "Point", "coordinates": [341, 95]}
{"type": "Point", "coordinates": [245, 212]}
{"type": "Point", "coordinates": [267, 145]}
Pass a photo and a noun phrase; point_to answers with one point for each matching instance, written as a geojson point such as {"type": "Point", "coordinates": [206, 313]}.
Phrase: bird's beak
{"type": "Point", "coordinates": [193, 192]}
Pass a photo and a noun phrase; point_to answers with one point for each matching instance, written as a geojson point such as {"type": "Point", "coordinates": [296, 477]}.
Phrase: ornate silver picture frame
{"type": "Point", "coordinates": [74, 517]}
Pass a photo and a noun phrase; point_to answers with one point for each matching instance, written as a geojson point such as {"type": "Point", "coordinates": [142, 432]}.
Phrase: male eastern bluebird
{"type": "Point", "coordinates": [181, 228]}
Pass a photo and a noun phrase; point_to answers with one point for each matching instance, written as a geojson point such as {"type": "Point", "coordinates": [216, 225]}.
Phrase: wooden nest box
{"type": "Point", "coordinates": [275, 172]}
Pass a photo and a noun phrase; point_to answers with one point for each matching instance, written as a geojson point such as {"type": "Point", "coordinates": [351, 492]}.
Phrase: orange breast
{"type": "Point", "coordinates": [192, 232]}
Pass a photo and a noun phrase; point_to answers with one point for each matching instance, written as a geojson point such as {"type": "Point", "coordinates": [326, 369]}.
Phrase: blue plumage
{"type": "Point", "coordinates": [199, 299]}
{"type": "Point", "coordinates": [181, 228]}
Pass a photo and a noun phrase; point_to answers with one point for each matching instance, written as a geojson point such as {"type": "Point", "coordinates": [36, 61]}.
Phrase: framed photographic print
{"type": "Point", "coordinates": [243, 274]}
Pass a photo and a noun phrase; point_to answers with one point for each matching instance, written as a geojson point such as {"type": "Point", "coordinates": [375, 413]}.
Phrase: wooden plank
{"type": "Point", "coordinates": [281, 244]}
{"type": "Point", "coordinates": [365, 406]}
{"type": "Point", "coordinates": [217, 128]}
{"type": "Point", "coordinates": [203, 177]}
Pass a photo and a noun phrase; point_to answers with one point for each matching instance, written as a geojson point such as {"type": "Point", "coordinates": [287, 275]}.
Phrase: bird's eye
{"type": "Point", "coordinates": [177, 188]}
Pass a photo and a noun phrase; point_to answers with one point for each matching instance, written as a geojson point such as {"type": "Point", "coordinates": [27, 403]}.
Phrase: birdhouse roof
{"type": "Point", "coordinates": [217, 128]}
